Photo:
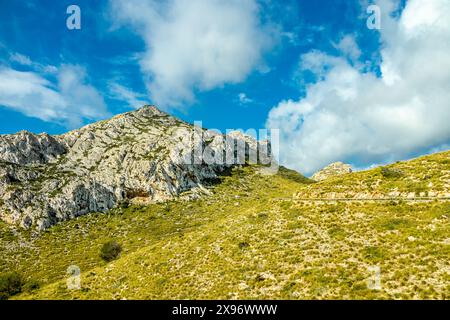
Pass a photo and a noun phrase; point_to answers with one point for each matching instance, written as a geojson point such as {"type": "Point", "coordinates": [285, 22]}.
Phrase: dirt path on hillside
{"type": "Point", "coordinates": [405, 199]}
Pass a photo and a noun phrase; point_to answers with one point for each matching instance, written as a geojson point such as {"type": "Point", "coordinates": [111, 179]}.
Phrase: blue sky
{"type": "Point", "coordinates": [124, 53]}
{"type": "Point", "coordinates": [37, 29]}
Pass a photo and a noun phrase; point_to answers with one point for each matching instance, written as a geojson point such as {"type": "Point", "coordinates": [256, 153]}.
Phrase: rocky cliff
{"type": "Point", "coordinates": [332, 170]}
{"type": "Point", "coordinates": [144, 154]}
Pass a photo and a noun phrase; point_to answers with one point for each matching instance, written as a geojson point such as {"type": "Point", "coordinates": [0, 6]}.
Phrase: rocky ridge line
{"type": "Point", "coordinates": [45, 179]}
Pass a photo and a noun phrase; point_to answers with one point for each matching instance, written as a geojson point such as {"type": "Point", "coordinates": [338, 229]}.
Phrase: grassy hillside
{"type": "Point", "coordinates": [251, 239]}
{"type": "Point", "coordinates": [427, 176]}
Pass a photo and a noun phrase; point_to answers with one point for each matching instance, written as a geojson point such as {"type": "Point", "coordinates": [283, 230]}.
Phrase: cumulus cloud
{"type": "Point", "coordinates": [357, 117]}
{"type": "Point", "coordinates": [194, 44]}
{"type": "Point", "coordinates": [347, 45]}
{"type": "Point", "coordinates": [68, 101]}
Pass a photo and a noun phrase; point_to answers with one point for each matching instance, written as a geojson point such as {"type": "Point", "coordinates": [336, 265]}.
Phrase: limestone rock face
{"type": "Point", "coordinates": [145, 153]}
{"type": "Point", "coordinates": [27, 148]}
{"type": "Point", "coordinates": [332, 170]}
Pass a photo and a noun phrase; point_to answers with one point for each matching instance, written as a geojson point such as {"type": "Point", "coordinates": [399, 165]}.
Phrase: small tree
{"type": "Point", "coordinates": [110, 251]}
{"type": "Point", "coordinates": [10, 284]}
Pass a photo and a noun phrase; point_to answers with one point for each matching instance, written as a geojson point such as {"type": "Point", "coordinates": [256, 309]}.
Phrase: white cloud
{"type": "Point", "coordinates": [353, 116]}
{"type": "Point", "coordinates": [68, 102]}
{"type": "Point", "coordinates": [195, 44]}
{"type": "Point", "coordinates": [133, 99]}
{"type": "Point", "coordinates": [26, 61]}
{"type": "Point", "coordinates": [20, 58]}
{"type": "Point", "coordinates": [347, 45]}
{"type": "Point", "coordinates": [243, 99]}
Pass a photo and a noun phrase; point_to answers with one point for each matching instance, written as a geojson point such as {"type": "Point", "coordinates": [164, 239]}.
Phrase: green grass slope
{"type": "Point", "coordinates": [251, 239]}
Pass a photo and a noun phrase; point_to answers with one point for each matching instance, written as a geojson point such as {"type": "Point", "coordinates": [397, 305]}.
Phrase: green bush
{"type": "Point", "coordinates": [243, 245]}
{"type": "Point", "coordinates": [417, 187]}
{"type": "Point", "coordinates": [110, 251]}
{"type": "Point", "coordinates": [31, 286]}
{"type": "Point", "coordinates": [10, 284]}
{"type": "Point", "coordinates": [124, 204]}
{"type": "Point", "coordinates": [391, 173]}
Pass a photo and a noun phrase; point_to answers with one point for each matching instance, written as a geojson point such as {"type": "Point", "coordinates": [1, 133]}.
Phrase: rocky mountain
{"type": "Point", "coordinates": [332, 170]}
{"type": "Point", "coordinates": [144, 155]}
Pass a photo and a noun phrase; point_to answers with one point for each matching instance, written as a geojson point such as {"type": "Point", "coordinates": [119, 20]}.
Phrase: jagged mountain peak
{"type": "Point", "coordinates": [141, 115]}
{"type": "Point", "coordinates": [146, 111]}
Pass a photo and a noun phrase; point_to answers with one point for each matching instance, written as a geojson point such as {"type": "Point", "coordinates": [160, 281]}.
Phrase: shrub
{"type": "Point", "coordinates": [373, 253]}
{"type": "Point", "coordinates": [110, 251]}
{"type": "Point", "coordinates": [395, 223]}
{"type": "Point", "coordinates": [31, 286]}
{"type": "Point", "coordinates": [391, 173]}
{"type": "Point", "coordinates": [243, 245]}
{"type": "Point", "coordinates": [124, 204]}
{"type": "Point", "coordinates": [417, 187]}
{"type": "Point", "coordinates": [10, 284]}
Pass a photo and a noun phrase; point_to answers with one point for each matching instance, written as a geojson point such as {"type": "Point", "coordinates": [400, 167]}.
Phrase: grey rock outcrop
{"type": "Point", "coordinates": [332, 170]}
{"type": "Point", "coordinates": [27, 148]}
{"type": "Point", "coordinates": [140, 154]}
